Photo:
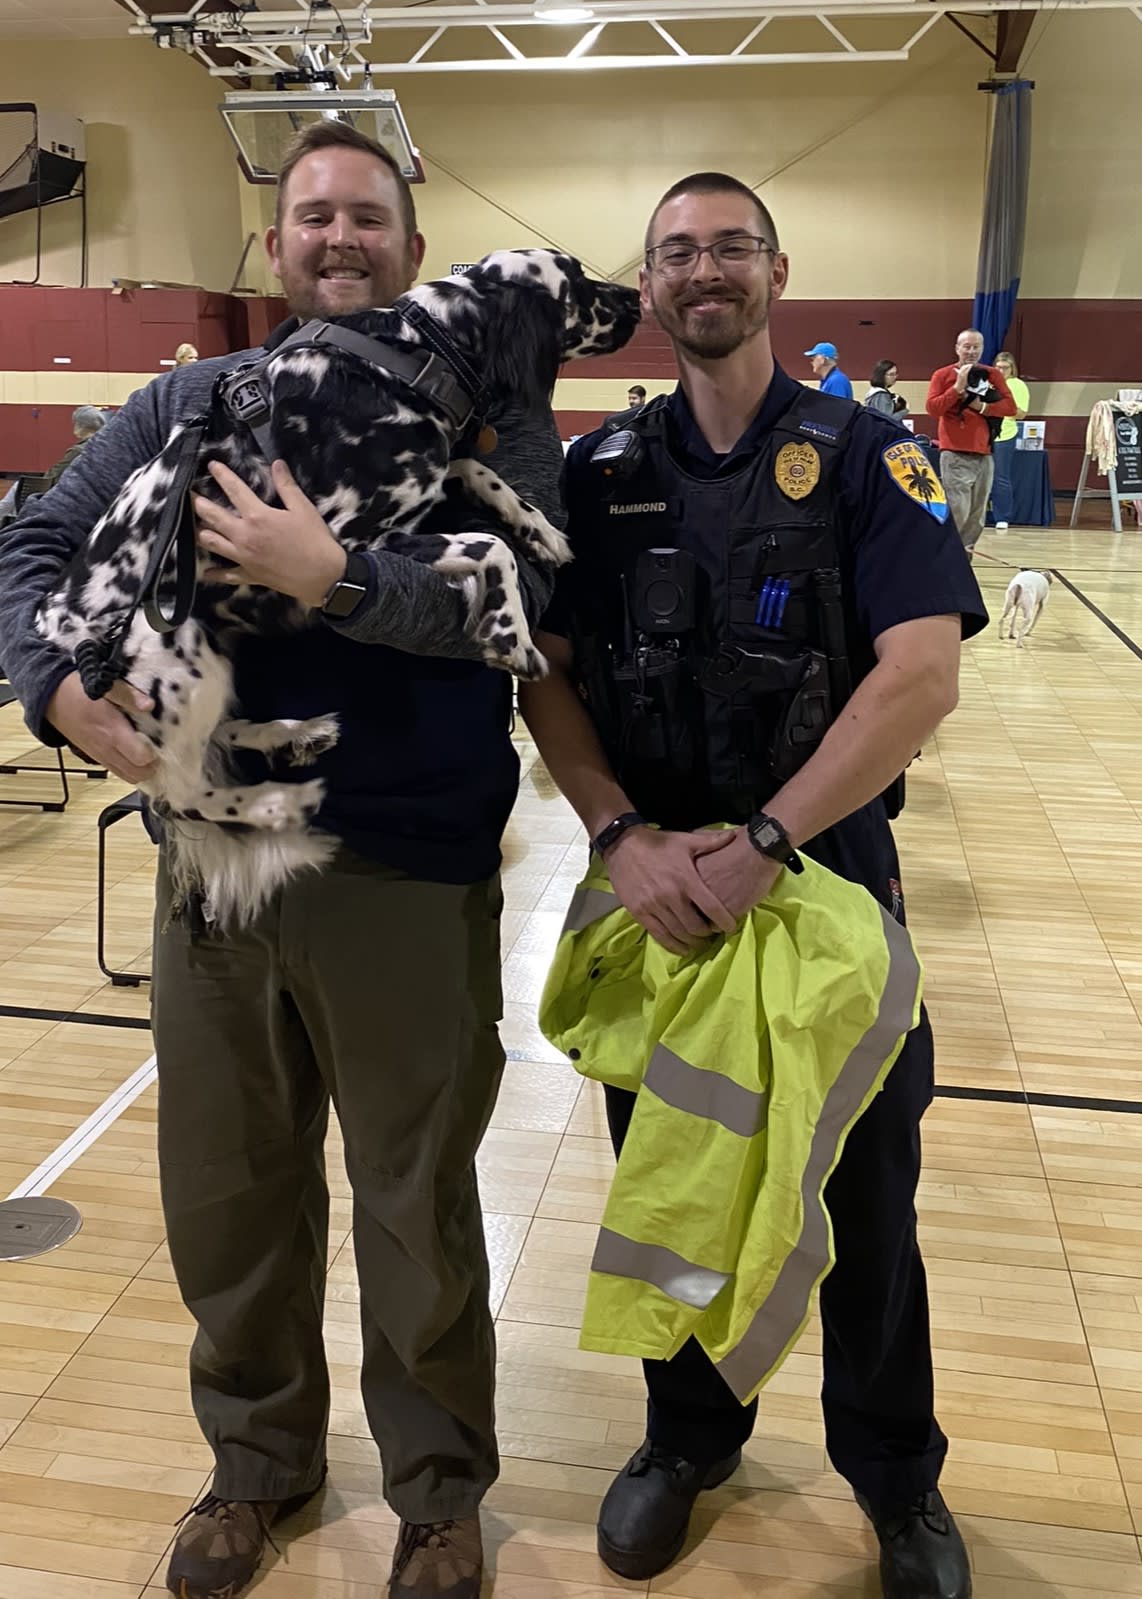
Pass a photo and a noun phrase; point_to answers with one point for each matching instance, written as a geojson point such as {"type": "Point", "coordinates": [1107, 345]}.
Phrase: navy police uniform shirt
{"type": "Point", "coordinates": [904, 562]}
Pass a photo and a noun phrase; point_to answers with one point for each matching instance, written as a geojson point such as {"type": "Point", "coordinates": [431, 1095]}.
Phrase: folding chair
{"type": "Point", "coordinates": [9, 769]}
{"type": "Point", "coordinates": [129, 805]}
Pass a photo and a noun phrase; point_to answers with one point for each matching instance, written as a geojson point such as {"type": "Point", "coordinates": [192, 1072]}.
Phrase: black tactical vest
{"type": "Point", "coordinates": [711, 641]}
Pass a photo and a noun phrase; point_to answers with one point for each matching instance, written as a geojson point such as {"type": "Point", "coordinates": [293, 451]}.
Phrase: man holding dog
{"type": "Point", "coordinates": [966, 397]}
{"type": "Point", "coordinates": [374, 983]}
{"type": "Point", "coordinates": [761, 626]}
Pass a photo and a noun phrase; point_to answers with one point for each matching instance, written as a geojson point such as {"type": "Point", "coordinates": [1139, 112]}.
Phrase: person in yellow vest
{"type": "Point", "coordinates": [761, 626]}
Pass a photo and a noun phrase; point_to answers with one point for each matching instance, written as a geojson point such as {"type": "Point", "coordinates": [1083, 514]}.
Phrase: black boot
{"type": "Point", "coordinates": [646, 1514]}
{"type": "Point", "coordinates": [922, 1555]}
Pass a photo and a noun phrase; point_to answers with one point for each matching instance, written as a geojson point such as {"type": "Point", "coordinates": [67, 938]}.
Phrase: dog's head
{"type": "Point", "coordinates": [521, 313]}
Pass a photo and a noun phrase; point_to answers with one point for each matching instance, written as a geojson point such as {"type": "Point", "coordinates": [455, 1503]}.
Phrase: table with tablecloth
{"type": "Point", "coordinates": [1030, 481]}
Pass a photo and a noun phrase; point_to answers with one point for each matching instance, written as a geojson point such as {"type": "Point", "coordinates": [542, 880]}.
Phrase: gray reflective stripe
{"type": "Point", "coordinates": [787, 1305]}
{"type": "Point", "coordinates": [704, 1093]}
{"type": "Point", "coordinates": [589, 905]}
{"type": "Point", "coordinates": [679, 1279]}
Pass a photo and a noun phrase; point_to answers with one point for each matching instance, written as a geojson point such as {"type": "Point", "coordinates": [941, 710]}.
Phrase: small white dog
{"type": "Point", "coordinates": [1027, 594]}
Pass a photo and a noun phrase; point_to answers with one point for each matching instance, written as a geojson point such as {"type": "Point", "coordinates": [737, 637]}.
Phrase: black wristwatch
{"type": "Point", "coordinates": [613, 831]}
{"type": "Point", "coordinates": [768, 837]}
{"type": "Point", "coordinates": [349, 590]}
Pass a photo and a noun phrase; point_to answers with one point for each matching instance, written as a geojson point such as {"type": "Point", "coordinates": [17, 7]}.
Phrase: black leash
{"type": "Point", "coordinates": [100, 662]}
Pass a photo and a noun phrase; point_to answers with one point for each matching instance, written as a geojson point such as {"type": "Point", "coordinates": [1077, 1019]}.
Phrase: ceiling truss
{"type": "Point", "coordinates": [359, 41]}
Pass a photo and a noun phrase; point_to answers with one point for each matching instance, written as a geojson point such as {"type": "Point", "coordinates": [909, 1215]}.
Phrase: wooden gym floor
{"type": "Point", "coordinates": [1022, 845]}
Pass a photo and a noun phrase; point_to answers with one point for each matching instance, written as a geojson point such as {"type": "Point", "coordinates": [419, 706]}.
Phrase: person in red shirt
{"type": "Point", "coordinates": [967, 466]}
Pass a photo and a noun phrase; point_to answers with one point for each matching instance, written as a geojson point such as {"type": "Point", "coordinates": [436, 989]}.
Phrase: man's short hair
{"type": "Point", "coordinates": [330, 135]}
{"type": "Point", "coordinates": [637, 388]}
{"type": "Point", "coordinates": [87, 419]}
{"type": "Point", "coordinates": [715, 183]}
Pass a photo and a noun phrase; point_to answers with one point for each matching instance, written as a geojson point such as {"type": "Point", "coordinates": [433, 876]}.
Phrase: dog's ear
{"type": "Point", "coordinates": [522, 355]}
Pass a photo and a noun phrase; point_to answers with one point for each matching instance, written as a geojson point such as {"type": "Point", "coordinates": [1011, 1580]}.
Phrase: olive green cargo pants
{"type": "Point", "coordinates": [382, 993]}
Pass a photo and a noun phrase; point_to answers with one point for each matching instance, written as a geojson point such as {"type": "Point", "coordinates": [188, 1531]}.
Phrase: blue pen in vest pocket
{"type": "Point", "coordinates": [752, 1060]}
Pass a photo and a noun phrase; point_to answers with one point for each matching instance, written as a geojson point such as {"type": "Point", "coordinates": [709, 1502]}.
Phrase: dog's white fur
{"type": "Point", "coordinates": [1027, 595]}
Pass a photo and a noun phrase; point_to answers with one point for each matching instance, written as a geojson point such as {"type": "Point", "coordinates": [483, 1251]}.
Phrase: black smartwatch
{"type": "Point", "coordinates": [768, 837]}
{"type": "Point", "coordinates": [349, 590]}
{"type": "Point", "coordinates": [613, 831]}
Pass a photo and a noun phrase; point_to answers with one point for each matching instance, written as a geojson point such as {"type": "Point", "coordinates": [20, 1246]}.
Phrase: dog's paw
{"type": "Point", "coordinates": [545, 543]}
{"type": "Point", "coordinates": [313, 738]}
{"type": "Point", "coordinates": [510, 655]}
{"type": "Point", "coordinates": [291, 805]}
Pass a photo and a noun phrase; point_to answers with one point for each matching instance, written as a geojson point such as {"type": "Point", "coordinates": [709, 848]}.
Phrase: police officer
{"type": "Point", "coordinates": [761, 626]}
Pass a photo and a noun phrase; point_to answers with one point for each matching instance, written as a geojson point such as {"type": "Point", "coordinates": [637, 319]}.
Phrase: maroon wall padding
{"type": "Point", "coordinates": [1079, 341]}
{"type": "Point", "coordinates": [33, 437]}
{"type": "Point", "coordinates": [101, 331]}
{"type": "Point", "coordinates": [1070, 341]}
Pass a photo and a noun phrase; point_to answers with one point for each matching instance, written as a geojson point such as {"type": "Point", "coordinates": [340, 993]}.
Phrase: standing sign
{"type": "Point", "coordinates": [1128, 436]}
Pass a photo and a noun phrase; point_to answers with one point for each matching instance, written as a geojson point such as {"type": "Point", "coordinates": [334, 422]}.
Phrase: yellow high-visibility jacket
{"type": "Point", "coordinates": [752, 1059]}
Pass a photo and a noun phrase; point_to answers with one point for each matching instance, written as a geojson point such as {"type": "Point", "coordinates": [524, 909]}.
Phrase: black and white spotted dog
{"type": "Point", "coordinates": [374, 452]}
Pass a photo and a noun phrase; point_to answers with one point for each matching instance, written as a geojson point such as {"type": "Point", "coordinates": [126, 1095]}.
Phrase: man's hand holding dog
{"type": "Point", "coordinates": [291, 550]}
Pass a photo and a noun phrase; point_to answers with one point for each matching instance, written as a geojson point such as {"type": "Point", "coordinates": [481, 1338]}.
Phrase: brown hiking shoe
{"type": "Point", "coordinates": [221, 1543]}
{"type": "Point", "coordinates": [439, 1560]}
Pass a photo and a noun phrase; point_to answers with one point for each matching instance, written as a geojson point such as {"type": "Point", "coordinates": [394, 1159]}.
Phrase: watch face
{"type": "Point", "coordinates": [766, 834]}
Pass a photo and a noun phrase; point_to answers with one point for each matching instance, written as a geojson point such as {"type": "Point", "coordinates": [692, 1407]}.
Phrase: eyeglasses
{"type": "Point", "coordinates": [678, 259]}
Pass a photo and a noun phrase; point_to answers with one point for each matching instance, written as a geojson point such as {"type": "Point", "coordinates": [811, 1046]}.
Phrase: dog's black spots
{"type": "Point", "coordinates": [374, 451]}
{"type": "Point", "coordinates": [231, 810]}
{"type": "Point", "coordinates": [193, 816]}
{"type": "Point", "coordinates": [209, 793]}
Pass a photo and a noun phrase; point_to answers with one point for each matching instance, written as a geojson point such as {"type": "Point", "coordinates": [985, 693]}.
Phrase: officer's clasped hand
{"type": "Point", "coordinates": [655, 875]}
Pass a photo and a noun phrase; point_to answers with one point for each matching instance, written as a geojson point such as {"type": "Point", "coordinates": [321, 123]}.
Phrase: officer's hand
{"type": "Point", "coordinates": [739, 875]}
{"type": "Point", "coordinates": [962, 375]}
{"type": "Point", "coordinates": [99, 732]}
{"type": "Point", "coordinates": [655, 875]}
{"type": "Point", "coordinates": [977, 405]}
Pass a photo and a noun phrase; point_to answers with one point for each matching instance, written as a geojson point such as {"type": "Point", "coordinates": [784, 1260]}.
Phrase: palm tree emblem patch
{"type": "Point", "coordinates": [909, 469]}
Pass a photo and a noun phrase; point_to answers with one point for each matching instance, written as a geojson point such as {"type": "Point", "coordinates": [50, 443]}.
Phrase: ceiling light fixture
{"type": "Point", "coordinates": [562, 11]}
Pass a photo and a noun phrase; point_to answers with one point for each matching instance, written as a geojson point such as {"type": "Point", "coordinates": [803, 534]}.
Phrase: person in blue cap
{"type": "Point", "coordinates": [823, 360]}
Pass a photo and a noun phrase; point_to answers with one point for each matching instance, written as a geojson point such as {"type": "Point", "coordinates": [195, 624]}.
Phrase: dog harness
{"type": "Point", "coordinates": [440, 371]}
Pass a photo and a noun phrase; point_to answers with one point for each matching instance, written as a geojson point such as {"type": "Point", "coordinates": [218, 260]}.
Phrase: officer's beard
{"type": "Point", "coordinates": [712, 336]}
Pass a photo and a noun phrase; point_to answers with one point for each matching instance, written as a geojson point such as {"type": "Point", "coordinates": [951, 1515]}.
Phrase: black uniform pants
{"type": "Point", "coordinates": [880, 1429]}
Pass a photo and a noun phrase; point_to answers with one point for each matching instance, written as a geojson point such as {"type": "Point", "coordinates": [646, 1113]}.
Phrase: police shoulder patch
{"type": "Point", "coordinates": [909, 469]}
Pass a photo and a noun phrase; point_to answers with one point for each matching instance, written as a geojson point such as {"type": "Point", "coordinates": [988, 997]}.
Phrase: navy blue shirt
{"type": "Point", "coordinates": [905, 562]}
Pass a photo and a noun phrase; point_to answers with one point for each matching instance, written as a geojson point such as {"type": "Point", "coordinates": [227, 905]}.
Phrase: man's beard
{"type": "Point", "coordinates": [310, 295]}
{"type": "Point", "coordinates": [713, 337]}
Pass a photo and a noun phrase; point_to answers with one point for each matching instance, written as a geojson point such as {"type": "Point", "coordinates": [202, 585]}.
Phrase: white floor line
{"type": "Point", "coordinates": [84, 1136]}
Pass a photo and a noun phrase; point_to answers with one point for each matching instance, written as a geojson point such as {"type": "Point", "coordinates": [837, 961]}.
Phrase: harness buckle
{"type": "Point", "coordinates": [246, 398]}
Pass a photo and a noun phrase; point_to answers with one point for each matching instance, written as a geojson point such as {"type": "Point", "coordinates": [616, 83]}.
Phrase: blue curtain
{"type": "Point", "coordinates": [1004, 215]}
